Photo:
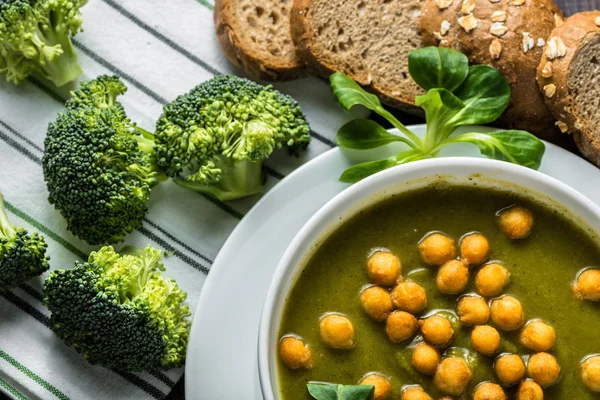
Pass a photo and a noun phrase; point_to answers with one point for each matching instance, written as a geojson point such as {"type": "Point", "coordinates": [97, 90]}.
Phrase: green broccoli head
{"type": "Point", "coordinates": [22, 255]}
{"type": "Point", "coordinates": [215, 138]}
{"type": "Point", "coordinates": [35, 38]}
{"type": "Point", "coordinates": [119, 311]}
{"type": "Point", "coordinates": [101, 92]}
{"type": "Point", "coordinates": [98, 166]}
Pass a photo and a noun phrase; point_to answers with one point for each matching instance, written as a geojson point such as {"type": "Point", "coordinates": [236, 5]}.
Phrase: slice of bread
{"type": "Point", "coordinates": [255, 35]}
{"type": "Point", "coordinates": [569, 77]}
{"type": "Point", "coordinates": [366, 39]}
{"type": "Point", "coordinates": [509, 35]}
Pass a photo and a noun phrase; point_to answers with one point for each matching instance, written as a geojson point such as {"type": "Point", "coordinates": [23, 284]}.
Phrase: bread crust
{"type": "Point", "coordinates": [301, 35]}
{"type": "Point", "coordinates": [247, 58]}
{"type": "Point", "coordinates": [574, 33]}
{"type": "Point", "coordinates": [535, 19]}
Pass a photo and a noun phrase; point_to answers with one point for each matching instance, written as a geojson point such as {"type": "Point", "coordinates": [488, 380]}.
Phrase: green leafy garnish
{"type": "Point", "coordinates": [457, 95]}
{"type": "Point", "coordinates": [328, 391]}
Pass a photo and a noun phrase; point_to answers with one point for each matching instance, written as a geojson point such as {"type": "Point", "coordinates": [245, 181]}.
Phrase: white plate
{"type": "Point", "coordinates": [222, 351]}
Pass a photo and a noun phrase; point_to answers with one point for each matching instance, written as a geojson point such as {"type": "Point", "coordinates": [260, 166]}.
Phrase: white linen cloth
{"type": "Point", "coordinates": [161, 49]}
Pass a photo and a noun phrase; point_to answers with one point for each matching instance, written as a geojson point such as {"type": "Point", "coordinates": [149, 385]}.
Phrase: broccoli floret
{"type": "Point", "coordinates": [215, 138]}
{"type": "Point", "coordinates": [22, 255]}
{"type": "Point", "coordinates": [35, 38]}
{"type": "Point", "coordinates": [119, 311]}
{"type": "Point", "coordinates": [98, 165]}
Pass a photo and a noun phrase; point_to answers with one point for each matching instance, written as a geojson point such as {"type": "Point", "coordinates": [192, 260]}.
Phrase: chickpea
{"type": "Point", "coordinates": [337, 331]}
{"type": "Point", "coordinates": [489, 391]}
{"type": "Point", "coordinates": [473, 310]}
{"type": "Point", "coordinates": [294, 353]}
{"type": "Point", "coordinates": [515, 222]}
{"type": "Point", "coordinates": [491, 280]}
{"type": "Point", "coordinates": [485, 340]}
{"type": "Point", "coordinates": [376, 302]}
{"type": "Point", "coordinates": [453, 376]}
{"type": "Point", "coordinates": [401, 326]}
{"type": "Point", "coordinates": [383, 387]}
{"type": "Point", "coordinates": [590, 373]}
{"type": "Point", "coordinates": [538, 336]}
{"type": "Point", "coordinates": [425, 358]}
{"type": "Point", "coordinates": [452, 277]}
{"type": "Point", "coordinates": [529, 390]}
{"type": "Point", "coordinates": [474, 249]}
{"type": "Point", "coordinates": [410, 297]}
{"type": "Point", "coordinates": [544, 369]}
{"type": "Point", "coordinates": [436, 248]}
{"type": "Point", "coordinates": [384, 268]}
{"type": "Point", "coordinates": [507, 313]}
{"type": "Point", "coordinates": [587, 286]}
{"type": "Point", "coordinates": [437, 330]}
{"type": "Point", "coordinates": [509, 368]}
{"type": "Point", "coordinates": [415, 393]}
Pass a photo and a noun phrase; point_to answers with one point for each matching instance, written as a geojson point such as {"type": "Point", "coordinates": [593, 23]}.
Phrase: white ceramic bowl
{"type": "Point", "coordinates": [459, 171]}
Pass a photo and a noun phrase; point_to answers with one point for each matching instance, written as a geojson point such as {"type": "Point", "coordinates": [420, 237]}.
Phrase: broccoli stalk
{"type": "Point", "coordinates": [215, 138]}
{"type": "Point", "coordinates": [35, 38]}
{"type": "Point", "coordinates": [22, 256]}
{"type": "Point", "coordinates": [227, 179]}
{"type": "Point", "coordinates": [119, 311]}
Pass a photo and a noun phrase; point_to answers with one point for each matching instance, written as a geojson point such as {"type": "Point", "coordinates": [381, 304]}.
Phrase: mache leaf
{"type": "Point", "coordinates": [441, 107]}
{"type": "Point", "coordinates": [361, 171]}
{"type": "Point", "coordinates": [363, 134]}
{"type": "Point", "coordinates": [348, 93]}
{"type": "Point", "coordinates": [438, 67]}
{"type": "Point", "coordinates": [517, 147]}
{"type": "Point", "coordinates": [327, 391]}
{"type": "Point", "coordinates": [485, 93]}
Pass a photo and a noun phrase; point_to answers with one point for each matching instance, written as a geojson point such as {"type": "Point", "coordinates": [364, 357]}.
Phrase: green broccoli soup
{"type": "Point", "coordinates": [464, 291]}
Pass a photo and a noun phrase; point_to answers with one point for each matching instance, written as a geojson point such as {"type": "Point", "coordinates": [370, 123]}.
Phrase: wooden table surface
{"type": "Point", "coordinates": [568, 6]}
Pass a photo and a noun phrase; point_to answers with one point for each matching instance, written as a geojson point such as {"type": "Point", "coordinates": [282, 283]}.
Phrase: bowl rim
{"type": "Point", "coordinates": [369, 188]}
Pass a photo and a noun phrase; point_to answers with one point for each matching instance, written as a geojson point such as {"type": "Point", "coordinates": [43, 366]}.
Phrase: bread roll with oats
{"type": "Point", "coordinates": [509, 35]}
{"type": "Point", "coordinates": [569, 74]}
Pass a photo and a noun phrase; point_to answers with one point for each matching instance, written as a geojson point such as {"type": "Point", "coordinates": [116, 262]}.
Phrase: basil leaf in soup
{"type": "Point", "coordinates": [362, 134]}
{"type": "Point", "coordinates": [518, 147]}
{"type": "Point", "coordinates": [438, 68]}
{"type": "Point", "coordinates": [327, 391]}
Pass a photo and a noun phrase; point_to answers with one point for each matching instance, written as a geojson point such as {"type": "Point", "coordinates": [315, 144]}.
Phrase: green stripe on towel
{"type": "Point", "coordinates": [206, 4]}
{"type": "Point", "coordinates": [33, 376]}
{"type": "Point", "coordinates": [6, 386]}
{"type": "Point", "coordinates": [21, 214]}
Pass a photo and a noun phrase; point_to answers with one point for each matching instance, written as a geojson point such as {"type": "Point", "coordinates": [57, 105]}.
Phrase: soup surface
{"type": "Point", "coordinates": [542, 268]}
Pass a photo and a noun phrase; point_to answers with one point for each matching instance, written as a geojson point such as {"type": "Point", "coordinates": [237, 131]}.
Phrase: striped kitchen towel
{"type": "Point", "coordinates": [161, 49]}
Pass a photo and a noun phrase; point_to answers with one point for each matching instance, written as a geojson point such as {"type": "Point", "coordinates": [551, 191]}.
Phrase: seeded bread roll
{"type": "Point", "coordinates": [509, 35]}
{"type": "Point", "coordinates": [368, 40]}
{"type": "Point", "coordinates": [255, 35]}
{"type": "Point", "coordinates": [569, 76]}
